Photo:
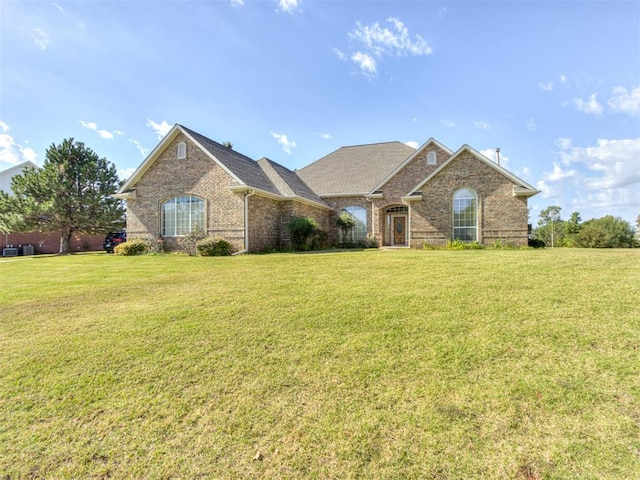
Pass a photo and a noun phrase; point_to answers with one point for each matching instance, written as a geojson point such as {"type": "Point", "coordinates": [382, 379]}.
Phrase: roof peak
{"type": "Point", "coordinates": [375, 144]}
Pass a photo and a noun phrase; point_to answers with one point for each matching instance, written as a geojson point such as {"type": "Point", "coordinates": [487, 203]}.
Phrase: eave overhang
{"type": "Point", "coordinates": [281, 198]}
{"type": "Point", "coordinates": [416, 197]}
{"type": "Point", "coordinates": [520, 191]}
{"type": "Point", "coordinates": [127, 195]}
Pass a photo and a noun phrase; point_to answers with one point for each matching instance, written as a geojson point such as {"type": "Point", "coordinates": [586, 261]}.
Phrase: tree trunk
{"type": "Point", "coordinates": [65, 241]}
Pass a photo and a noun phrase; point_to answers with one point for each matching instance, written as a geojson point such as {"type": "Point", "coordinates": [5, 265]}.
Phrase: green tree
{"type": "Point", "coordinates": [346, 223]}
{"type": "Point", "coordinates": [550, 228]}
{"type": "Point", "coordinates": [571, 228]}
{"type": "Point", "coordinates": [302, 229]}
{"type": "Point", "coordinates": [606, 232]}
{"type": "Point", "coordinates": [71, 193]}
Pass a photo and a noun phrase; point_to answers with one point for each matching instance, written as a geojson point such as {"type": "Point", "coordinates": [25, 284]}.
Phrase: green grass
{"type": "Point", "coordinates": [373, 364]}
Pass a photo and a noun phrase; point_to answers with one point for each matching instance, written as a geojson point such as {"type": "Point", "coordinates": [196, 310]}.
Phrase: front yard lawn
{"type": "Point", "coordinates": [373, 364]}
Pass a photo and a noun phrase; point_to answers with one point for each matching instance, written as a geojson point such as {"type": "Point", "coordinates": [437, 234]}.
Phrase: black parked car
{"type": "Point", "coordinates": [113, 239]}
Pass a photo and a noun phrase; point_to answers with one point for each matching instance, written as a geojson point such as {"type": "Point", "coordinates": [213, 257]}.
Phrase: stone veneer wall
{"type": "Point", "coordinates": [501, 216]}
{"type": "Point", "coordinates": [196, 175]}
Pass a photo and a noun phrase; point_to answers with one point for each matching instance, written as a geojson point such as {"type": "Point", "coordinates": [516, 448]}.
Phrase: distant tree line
{"type": "Point", "coordinates": [605, 232]}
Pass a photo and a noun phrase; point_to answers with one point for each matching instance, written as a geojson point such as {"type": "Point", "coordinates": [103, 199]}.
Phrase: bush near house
{"type": "Point", "coordinates": [214, 247]}
{"type": "Point", "coordinates": [132, 247]}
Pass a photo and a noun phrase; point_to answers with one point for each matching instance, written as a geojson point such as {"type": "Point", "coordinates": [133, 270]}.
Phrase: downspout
{"type": "Point", "coordinates": [247, 194]}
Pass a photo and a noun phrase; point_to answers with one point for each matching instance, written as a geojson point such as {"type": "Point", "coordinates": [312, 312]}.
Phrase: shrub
{"type": "Point", "coordinates": [320, 240]}
{"type": "Point", "coordinates": [460, 245]}
{"type": "Point", "coordinates": [302, 228]}
{"type": "Point", "coordinates": [536, 243]}
{"type": "Point", "coordinates": [188, 243]}
{"type": "Point", "coordinates": [214, 247]}
{"type": "Point", "coordinates": [132, 247]}
{"type": "Point", "coordinates": [368, 242]}
{"type": "Point", "coordinates": [503, 244]}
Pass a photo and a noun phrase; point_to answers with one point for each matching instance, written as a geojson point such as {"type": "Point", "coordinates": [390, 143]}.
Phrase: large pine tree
{"type": "Point", "coordinates": [71, 193]}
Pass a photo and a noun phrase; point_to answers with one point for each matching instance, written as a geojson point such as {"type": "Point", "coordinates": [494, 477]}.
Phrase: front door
{"type": "Point", "coordinates": [399, 230]}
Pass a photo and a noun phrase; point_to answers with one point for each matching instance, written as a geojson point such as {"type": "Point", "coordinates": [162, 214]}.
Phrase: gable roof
{"type": "Point", "coordinates": [520, 189]}
{"type": "Point", "coordinates": [265, 175]}
{"type": "Point", "coordinates": [287, 182]}
{"type": "Point", "coordinates": [354, 170]}
{"type": "Point", "coordinates": [244, 169]}
{"type": "Point", "coordinates": [431, 142]}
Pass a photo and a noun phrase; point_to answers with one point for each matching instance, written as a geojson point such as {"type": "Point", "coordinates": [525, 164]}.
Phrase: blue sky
{"type": "Point", "coordinates": [554, 85]}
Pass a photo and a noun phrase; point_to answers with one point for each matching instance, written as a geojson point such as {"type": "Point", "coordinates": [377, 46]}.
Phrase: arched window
{"type": "Point", "coordinates": [431, 158]}
{"type": "Point", "coordinates": [465, 215]}
{"type": "Point", "coordinates": [182, 150]}
{"type": "Point", "coordinates": [359, 214]}
{"type": "Point", "coordinates": [182, 215]}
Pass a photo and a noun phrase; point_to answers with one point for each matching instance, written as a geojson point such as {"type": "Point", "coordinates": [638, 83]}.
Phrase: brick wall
{"type": "Point", "coordinates": [196, 175]}
{"type": "Point", "coordinates": [501, 216]}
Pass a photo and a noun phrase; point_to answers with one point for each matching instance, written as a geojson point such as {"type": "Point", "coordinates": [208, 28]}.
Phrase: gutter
{"type": "Point", "coordinates": [247, 194]}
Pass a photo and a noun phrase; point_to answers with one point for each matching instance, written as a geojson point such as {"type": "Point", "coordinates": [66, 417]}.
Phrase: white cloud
{"type": "Point", "coordinates": [92, 126]}
{"type": "Point", "coordinates": [289, 6]}
{"type": "Point", "coordinates": [13, 153]}
{"type": "Point", "coordinates": [531, 124]}
{"type": "Point", "coordinates": [375, 42]}
{"type": "Point", "coordinates": [604, 177]}
{"type": "Point", "coordinates": [366, 63]}
{"type": "Point", "coordinates": [447, 123]}
{"type": "Point", "coordinates": [547, 87]}
{"type": "Point", "coordinates": [287, 145]}
{"type": "Point", "coordinates": [326, 136]}
{"type": "Point", "coordinates": [4, 126]}
{"type": "Point", "coordinates": [161, 128]}
{"type": "Point", "coordinates": [442, 12]}
{"type": "Point", "coordinates": [125, 173]}
{"type": "Point", "coordinates": [237, 3]}
{"type": "Point", "coordinates": [143, 151]}
{"type": "Point", "coordinates": [590, 106]}
{"type": "Point", "coordinates": [381, 41]}
{"type": "Point", "coordinates": [624, 101]}
{"type": "Point", "coordinates": [491, 154]}
{"type": "Point", "coordinates": [58, 7]}
{"type": "Point", "coordinates": [41, 38]}
{"type": "Point", "coordinates": [339, 53]}
{"type": "Point", "coordinates": [563, 143]}
{"type": "Point", "coordinates": [412, 144]}
{"type": "Point", "coordinates": [563, 78]}
{"type": "Point", "coordinates": [482, 125]}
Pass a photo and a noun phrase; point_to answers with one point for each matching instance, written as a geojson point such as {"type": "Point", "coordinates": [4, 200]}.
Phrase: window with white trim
{"type": "Point", "coordinates": [182, 215]}
{"type": "Point", "coordinates": [465, 215]}
{"type": "Point", "coordinates": [359, 214]}
{"type": "Point", "coordinates": [182, 150]}
{"type": "Point", "coordinates": [431, 158]}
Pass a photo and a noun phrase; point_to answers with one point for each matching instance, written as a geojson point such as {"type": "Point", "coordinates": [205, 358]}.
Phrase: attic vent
{"type": "Point", "coordinates": [431, 158]}
{"type": "Point", "coordinates": [182, 150]}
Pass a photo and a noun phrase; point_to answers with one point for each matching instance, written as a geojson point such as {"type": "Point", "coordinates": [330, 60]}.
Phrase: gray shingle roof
{"type": "Point", "coordinates": [243, 167]}
{"type": "Point", "coordinates": [355, 169]}
{"type": "Point", "coordinates": [288, 183]}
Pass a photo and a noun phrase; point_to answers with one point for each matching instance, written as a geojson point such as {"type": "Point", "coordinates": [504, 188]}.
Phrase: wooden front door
{"type": "Point", "coordinates": [399, 230]}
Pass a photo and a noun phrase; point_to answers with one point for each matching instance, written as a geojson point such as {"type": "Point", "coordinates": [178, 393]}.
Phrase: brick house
{"type": "Point", "coordinates": [399, 196]}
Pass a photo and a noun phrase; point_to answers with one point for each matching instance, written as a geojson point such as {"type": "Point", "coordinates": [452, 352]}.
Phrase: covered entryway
{"type": "Point", "coordinates": [395, 226]}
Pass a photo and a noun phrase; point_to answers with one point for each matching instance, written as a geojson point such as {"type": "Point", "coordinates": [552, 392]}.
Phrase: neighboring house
{"type": "Point", "coordinates": [398, 195]}
{"type": "Point", "coordinates": [9, 173]}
